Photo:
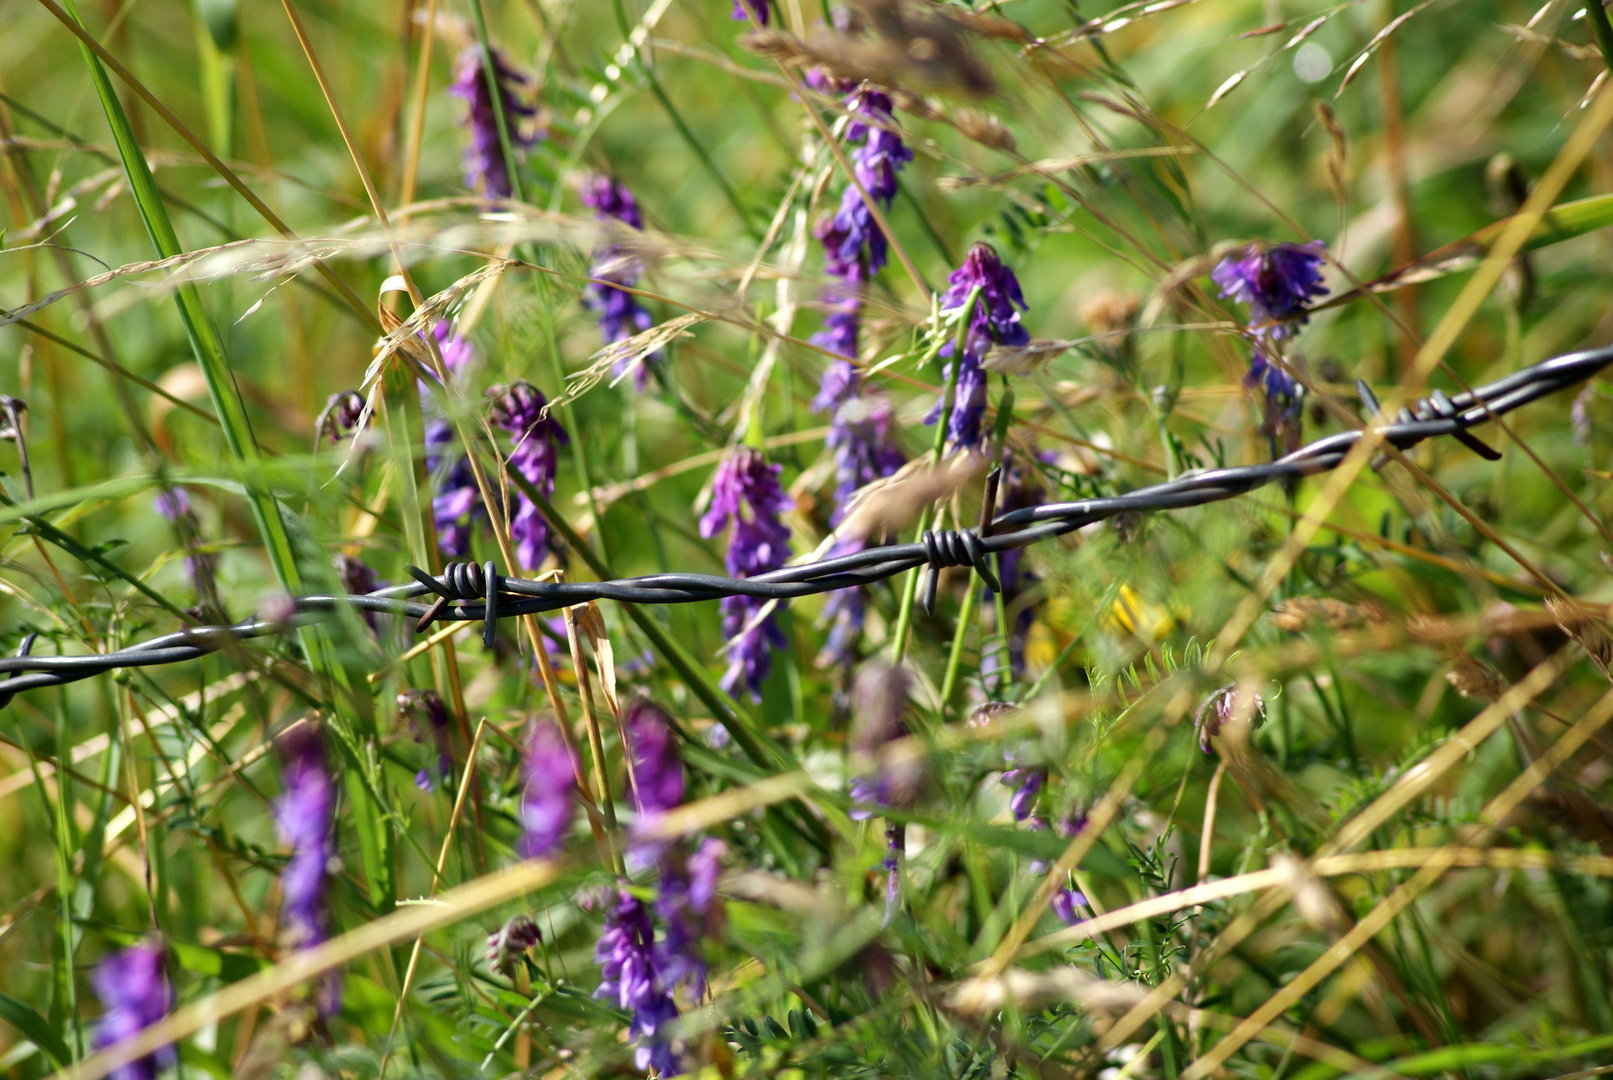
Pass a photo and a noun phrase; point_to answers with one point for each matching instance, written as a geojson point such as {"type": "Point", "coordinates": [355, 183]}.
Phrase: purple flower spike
{"type": "Point", "coordinates": [174, 504]}
{"type": "Point", "coordinates": [1064, 902]}
{"type": "Point", "coordinates": [1027, 784]}
{"type": "Point", "coordinates": [994, 321]}
{"type": "Point", "coordinates": [620, 314]}
{"type": "Point", "coordinates": [878, 159]}
{"type": "Point", "coordinates": [303, 815]}
{"type": "Point", "coordinates": [546, 806]}
{"type": "Point", "coordinates": [1277, 281]}
{"type": "Point", "coordinates": [1282, 398]}
{"type": "Point", "coordinates": [457, 504]}
{"type": "Point", "coordinates": [688, 904]}
{"type": "Point", "coordinates": [744, 9]}
{"type": "Point", "coordinates": [134, 994]}
{"type": "Point", "coordinates": [484, 161]}
{"type": "Point", "coordinates": [746, 492]}
{"type": "Point", "coordinates": [626, 956]}
{"type": "Point", "coordinates": [510, 941]}
{"type": "Point", "coordinates": [842, 301]}
{"type": "Point", "coordinates": [518, 409]}
{"type": "Point", "coordinates": [657, 768]}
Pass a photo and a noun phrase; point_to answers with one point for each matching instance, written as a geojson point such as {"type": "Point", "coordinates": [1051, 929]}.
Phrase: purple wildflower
{"type": "Point", "coordinates": [1228, 703]}
{"type": "Point", "coordinates": [457, 351]}
{"type": "Point", "coordinates": [134, 994]}
{"type": "Point", "coordinates": [1282, 397]}
{"type": "Point", "coordinates": [1064, 901]}
{"type": "Point", "coordinates": [745, 9]}
{"type": "Point", "coordinates": [994, 321]}
{"type": "Point", "coordinates": [484, 160]}
{"type": "Point", "coordinates": [746, 492]}
{"type": "Point", "coordinates": [863, 440]}
{"type": "Point", "coordinates": [842, 300]}
{"type": "Point", "coordinates": [303, 814]}
{"type": "Point", "coordinates": [428, 719]}
{"type": "Point", "coordinates": [629, 976]}
{"type": "Point", "coordinates": [546, 805]}
{"type": "Point", "coordinates": [688, 904]}
{"type": "Point", "coordinates": [1277, 281]}
{"type": "Point", "coordinates": [1027, 784]}
{"type": "Point", "coordinates": [457, 503]}
{"type": "Point", "coordinates": [518, 409]}
{"type": "Point", "coordinates": [620, 314]}
{"type": "Point", "coordinates": [875, 162]}
{"type": "Point", "coordinates": [657, 768]}
{"type": "Point", "coordinates": [510, 941]}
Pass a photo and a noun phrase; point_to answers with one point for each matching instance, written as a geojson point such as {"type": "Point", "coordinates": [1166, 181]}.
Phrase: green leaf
{"type": "Point", "coordinates": [33, 1027]}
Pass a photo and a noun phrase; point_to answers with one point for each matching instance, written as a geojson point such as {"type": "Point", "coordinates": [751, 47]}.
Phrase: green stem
{"type": "Point", "coordinates": [955, 657]}
{"type": "Point", "coordinates": [904, 614]}
{"type": "Point", "coordinates": [490, 73]}
{"type": "Point", "coordinates": [204, 340]}
{"type": "Point", "coordinates": [1597, 17]}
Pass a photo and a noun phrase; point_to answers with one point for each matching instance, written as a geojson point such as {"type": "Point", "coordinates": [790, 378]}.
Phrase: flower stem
{"type": "Point", "coordinates": [904, 615]}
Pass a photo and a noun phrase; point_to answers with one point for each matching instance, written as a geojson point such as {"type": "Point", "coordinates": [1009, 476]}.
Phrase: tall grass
{"type": "Point", "coordinates": [1314, 782]}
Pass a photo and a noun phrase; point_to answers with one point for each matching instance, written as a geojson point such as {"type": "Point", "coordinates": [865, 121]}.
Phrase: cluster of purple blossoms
{"type": "Point", "coordinates": [134, 994]}
{"type": "Point", "coordinates": [877, 159]}
{"type": "Point", "coordinates": [993, 322]}
{"type": "Point", "coordinates": [860, 428]}
{"type": "Point", "coordinates": [511, 941]}
{"type": "Point", "coordinates": [546, 806]}
{"type": "Point", "coordinates": [518, 409]}
{"type": "Point", "coordinates": [484, 160]}
{"type": "Point", "coordinates": [688, 882]}
{"type": "Point", "coordinates": [1277, 281]}
{"type": "Point", "coordinates": [456, 503]}
{"type": "Point", "coordinates": [745, 9]}
{"type": "Point", "coordinates": [862, 438]}
{"type": "Point", "coordinates": [626, 955]}
{"type": "Point", "coordinates": [746, 492]}
{"type": "Point", "coordinates": [428, 719]}
{"type": "Point", "coordinates": [1027, 782]}
{"type": "Point", "coordinates": [620, 314]}
{"type": "Point", "coordinates": [1282, 400]}
{"type": "Point", "coordinates": [303, 815]}
{"type": "Point", "coordinates": [1065, 900]}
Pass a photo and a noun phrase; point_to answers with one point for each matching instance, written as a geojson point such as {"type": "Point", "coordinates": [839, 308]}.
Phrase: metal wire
{"type": "Point", "coordinates": [466, 592]}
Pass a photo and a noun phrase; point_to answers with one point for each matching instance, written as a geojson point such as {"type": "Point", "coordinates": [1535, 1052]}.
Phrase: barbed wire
{"type": "Point", "coordinates": [468, 592]}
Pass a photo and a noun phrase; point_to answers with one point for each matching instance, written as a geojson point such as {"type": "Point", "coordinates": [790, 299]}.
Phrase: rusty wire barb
{"type": "Point", "coordinates": [467, 592]}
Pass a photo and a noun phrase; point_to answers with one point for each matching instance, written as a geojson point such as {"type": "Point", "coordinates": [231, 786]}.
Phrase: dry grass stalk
{"type": "Point", "coordinates": [1577, 624]}
{"type": "Point", "coordinates": [893, 503]}
{"type": "Point", "coordinates": [1304, 612]}
{"type": "Point", "coordinates": [1475, 679]}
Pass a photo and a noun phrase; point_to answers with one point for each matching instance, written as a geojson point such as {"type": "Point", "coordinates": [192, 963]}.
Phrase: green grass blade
{"type": "Point", "coordinates": [204, 339]}
{"type": "Point", "coordinates": [35, 1029]}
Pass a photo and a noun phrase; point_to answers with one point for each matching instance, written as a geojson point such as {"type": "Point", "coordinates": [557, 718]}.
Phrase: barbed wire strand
{"type": "Point", "coordinates": [468, 592]}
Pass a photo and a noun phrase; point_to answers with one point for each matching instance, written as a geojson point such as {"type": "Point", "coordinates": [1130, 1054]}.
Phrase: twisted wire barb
{"type": "Point", "coordinates": [466, 592]}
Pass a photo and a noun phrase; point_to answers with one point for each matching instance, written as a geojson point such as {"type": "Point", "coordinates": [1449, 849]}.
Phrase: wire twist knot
{"type": "Point", "coordinates": [953, 547]}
